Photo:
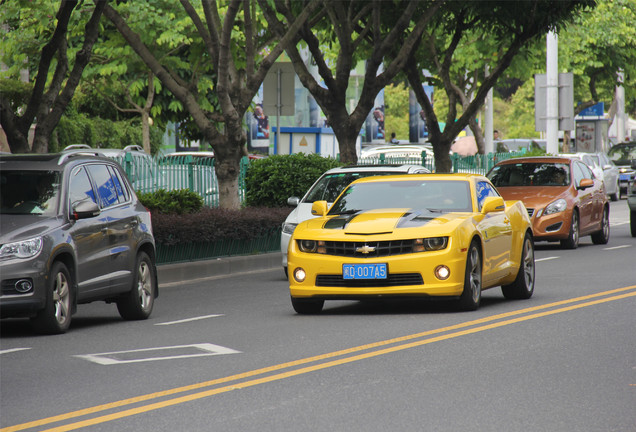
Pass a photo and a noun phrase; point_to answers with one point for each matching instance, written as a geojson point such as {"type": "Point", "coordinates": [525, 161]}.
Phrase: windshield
{"type": "Point", "coordinates": [329, 187]}
{"type": "Point", "coordinates": [29, 192]}
{"type": "Point", "coordinates": [530, 174]}
{"type": "Point", "coordinates": [431, 195]}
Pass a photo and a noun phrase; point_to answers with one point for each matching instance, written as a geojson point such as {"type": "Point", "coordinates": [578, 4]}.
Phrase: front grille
{"type": "Point", "coordinates": [374, 248]}
{"type": "Point", "coordinates": [530, 212]}
{"type": "Point", "coordinates": [398, 279]}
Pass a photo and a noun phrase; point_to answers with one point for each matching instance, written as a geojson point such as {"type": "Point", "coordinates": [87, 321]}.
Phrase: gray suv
{"type": "Point", "coordinates": [72, 231]}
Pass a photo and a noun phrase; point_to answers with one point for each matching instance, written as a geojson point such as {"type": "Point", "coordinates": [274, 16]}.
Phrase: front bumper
{"type": "Point", "coordinates": [410, 274]}
{"type": "Point", "coordinates": [12, 301]}
{"type": "Point", "coordinates": [552, 227]}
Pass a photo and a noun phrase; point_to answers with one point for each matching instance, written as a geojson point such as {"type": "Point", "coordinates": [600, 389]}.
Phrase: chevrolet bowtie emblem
{"type": "Point", "coordinates": [365, 249]}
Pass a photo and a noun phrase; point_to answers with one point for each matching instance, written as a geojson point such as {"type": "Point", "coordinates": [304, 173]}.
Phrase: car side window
{"type": "Point", "coordinates": [80, 188]}
{"type": "Point", "coordinates": [106, 188]}
{"type": "Point", "coordinates": [587, 172]}
{"type": "Point", "coordinates": [579, 173]}
{"type": "Point", "coordinates": [120, 185]}
{"type": "Point", "coordinates": [484, 190]}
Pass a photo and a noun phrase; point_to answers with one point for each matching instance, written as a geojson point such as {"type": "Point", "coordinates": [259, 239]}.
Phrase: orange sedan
{"type": "Point", "coordinates": [564, 199]}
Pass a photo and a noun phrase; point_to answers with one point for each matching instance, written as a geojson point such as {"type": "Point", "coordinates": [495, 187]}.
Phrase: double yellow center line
{"type": "Point", "coordinates": [310, 364]}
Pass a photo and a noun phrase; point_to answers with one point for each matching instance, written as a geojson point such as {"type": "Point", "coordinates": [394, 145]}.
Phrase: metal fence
{"type": "Point", "coordinates": [477, 164]}
{"type": "Point", "coordinates": [148, 174]}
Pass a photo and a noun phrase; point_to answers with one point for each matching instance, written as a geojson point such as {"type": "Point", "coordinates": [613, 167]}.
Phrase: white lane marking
{"type": "Point", "coordinates": [189, 319]}
{"type": "Point", "coordinates": [618, 223]}
{"type": "Point", "coordinates": [546, 259]}
{"type": "Point", "coordinates": [12, 350]}
{"type": "Point", "coordinates": [617, 247]}
{"type": "Point", "coordinates": [160, 353]}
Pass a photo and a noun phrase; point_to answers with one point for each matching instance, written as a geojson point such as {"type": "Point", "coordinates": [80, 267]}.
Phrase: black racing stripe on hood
{"type": "Point", "coordinates": [410, 219]}
{"type": "Point", "coordinates": [415, 218]}
{"type": "Point", "coordinates": [339, 222]}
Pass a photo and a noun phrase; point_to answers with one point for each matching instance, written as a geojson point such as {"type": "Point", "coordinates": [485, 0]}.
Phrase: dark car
{"type": "Point", "coordinates": [72, 231]}
{"type": "Point", "coordinates": [622, 155]}
{"type": "Point", "coordinates": [631, 203]}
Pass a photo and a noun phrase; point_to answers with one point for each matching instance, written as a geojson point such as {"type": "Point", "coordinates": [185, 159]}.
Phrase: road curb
{"type": "Point", "coordinates": [178, 272]}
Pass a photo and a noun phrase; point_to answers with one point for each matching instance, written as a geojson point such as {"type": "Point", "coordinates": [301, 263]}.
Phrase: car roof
{"type": "Point", "coordinates": [405, 168]}
{"type": "Point", "coordinates": [47, 161]}
{"type": "Point", "coordinates": [431, 177]}
{"type": "Point", "coordinates": [536, 159]}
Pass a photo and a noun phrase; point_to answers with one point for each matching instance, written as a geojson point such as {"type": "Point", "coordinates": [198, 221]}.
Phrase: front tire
{"type": "Point", "coordinates": [572, 242]}
{"type": "Point", "coordinates": [306, 306]}
{"type": "Point", "coordinates": [55, 318]}
{"type": "Point", "coordinates": [602, 236]}
{"type": "Point", "coordinates": [471, 296]}
{"type": "Point", "coordinates": [138, 302]}
{"type": "Point", "coordinates": [632, 223]}
{"type": "Point", "coordinates": [523, 286]}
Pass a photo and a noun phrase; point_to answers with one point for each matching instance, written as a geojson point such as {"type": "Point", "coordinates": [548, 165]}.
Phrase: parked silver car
{"type": "Point", "coordinates": [72, 231]}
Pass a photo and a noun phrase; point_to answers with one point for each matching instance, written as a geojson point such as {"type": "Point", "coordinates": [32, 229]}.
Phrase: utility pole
{"type": "Point", "coordinates": [552, 93]}
{"type": "Point", "coordinates": [488, 120]}
{"type": "Point", "coordinates": [620, 107]}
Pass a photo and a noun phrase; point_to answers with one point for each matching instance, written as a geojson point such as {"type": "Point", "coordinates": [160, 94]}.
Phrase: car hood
{"type": "Point", "coordinates": [24, 227]}
{"type": "Point", "coordinates": [385, 221]}
{"type": "Point", "coordinates": [533, 197]}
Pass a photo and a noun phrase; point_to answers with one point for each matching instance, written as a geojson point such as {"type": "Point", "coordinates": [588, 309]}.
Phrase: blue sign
{"type": "Point", "coordinates": [597, 110]}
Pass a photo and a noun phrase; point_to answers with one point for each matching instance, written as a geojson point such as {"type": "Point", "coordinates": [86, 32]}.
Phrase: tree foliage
{"type": "Point", "coordinates": [39, 49]}
{"type": "Point", "coordinates": [225, 52]}
{"type": "Point", "coordinates": [503, 31]}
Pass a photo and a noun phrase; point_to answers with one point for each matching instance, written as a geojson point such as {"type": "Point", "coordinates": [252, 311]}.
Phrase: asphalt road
{"type": "Point", "coordinates": [228, 353]}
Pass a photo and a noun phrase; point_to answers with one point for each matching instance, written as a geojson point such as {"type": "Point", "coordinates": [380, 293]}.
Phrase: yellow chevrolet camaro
{"type": "Point", "coordinates": [429, 235]}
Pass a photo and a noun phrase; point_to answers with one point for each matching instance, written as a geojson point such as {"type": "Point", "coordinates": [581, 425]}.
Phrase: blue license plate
{"type": "Point", "coordinates": [364, 271]}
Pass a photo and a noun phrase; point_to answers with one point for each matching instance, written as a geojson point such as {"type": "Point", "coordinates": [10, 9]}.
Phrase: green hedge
{"type": "Point", "coordinates": [270, 181]}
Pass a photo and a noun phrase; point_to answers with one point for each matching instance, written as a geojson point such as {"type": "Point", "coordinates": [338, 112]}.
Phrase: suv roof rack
{"type": "Point", "coordinates": [66, 156]}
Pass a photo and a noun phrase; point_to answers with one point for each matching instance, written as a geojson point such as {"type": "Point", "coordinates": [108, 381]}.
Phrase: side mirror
{"type": "Point", "coordinates": [319, 208]}
{"type": "Point", "coordinates": [293, 201]}
{"type": "Point", "coordinates": [493, 204]}
{"type": "Point", "coordinates": [84, 210]}
{"type": "Point", "coordinates": [586, 183]}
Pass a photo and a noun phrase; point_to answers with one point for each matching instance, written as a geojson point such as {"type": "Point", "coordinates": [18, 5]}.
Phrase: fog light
{"type": "Point", "coordinates": [442, 272]}
{"type": "Point", "coordinates": [299, 274]}
{"type": "Point", "coordinates": [23, 286]}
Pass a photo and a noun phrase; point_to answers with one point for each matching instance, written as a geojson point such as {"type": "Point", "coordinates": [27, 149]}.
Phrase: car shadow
{"type": "Point", "coordinates": [403, 306]}
{"type": "Point", "coordinates": [13, 328]}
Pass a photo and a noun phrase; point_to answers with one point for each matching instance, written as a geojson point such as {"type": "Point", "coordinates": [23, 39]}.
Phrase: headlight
{"type": "Point", "coordinates": [430, 244]}
{"type": "Point", "coordinates": [288, 228]}
{"type": "Point", "coordinates": [556, 207]}
{"type": "Point", "coordinates": [312, 246]}
{"type": "Point", "coordinates": [22, 249]}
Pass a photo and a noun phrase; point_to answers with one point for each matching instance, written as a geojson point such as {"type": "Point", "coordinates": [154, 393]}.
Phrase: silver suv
{"type": "Point", "coordinates": [72, 231]}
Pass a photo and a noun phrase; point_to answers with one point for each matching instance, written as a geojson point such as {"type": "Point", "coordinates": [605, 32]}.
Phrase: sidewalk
{"type": "Point", "coordinates": [191, 270]}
